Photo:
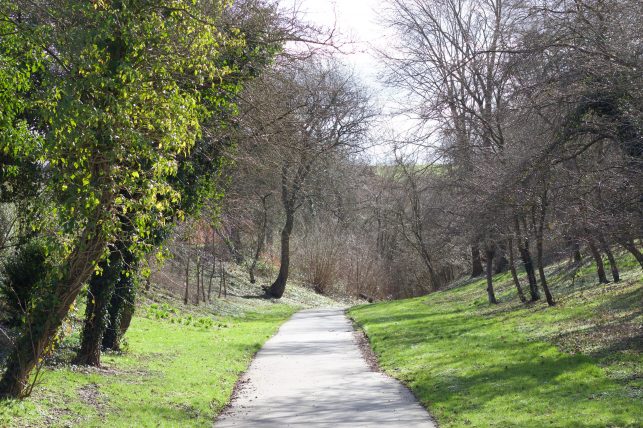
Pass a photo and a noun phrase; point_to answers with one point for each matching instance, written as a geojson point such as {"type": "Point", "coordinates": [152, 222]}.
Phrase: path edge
{"type": "Point", "coordinates": [240, 379]}
{"type": "Point", "coordinates": [363, 342]}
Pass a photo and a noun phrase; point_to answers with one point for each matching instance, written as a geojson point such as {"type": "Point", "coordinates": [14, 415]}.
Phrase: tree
{"type": "Point", "coordinates": [300, 115]}
{"type": "Point", "coordinates": [121, 98]}
{"type": "Point", "coordinates": [452, 60]}
{"type": "Point", "coordinates": [198, 178]}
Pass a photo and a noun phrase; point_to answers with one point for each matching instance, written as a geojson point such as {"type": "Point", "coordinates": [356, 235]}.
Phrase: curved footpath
{"type": "Point", "coordinates": [312, 374]}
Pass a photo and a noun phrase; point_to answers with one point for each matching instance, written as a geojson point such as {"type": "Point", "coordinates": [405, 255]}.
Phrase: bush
{"type": "Point", "coordinates": [21, 275]}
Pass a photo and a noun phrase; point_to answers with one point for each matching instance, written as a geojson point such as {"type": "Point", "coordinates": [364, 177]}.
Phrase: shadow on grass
{"type": "Point", "coordinates": [470, 366]}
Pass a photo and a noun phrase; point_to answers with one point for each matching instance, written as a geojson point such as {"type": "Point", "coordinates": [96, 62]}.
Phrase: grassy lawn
{"type": "Point", "coordinates": [178, 370]}
{"type": "Point", "coordinates": [575, 365]}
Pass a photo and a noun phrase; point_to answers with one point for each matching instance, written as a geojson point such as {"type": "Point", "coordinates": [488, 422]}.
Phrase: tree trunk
{"type": "Point", "coordinates": [214, 266]}
{"type": "Point", "coordinates": [610, 256]}
{"type": "Point", "coordinates": [270, 238]}
{"type": "Point", "coordinates": [187, 279]}
{"type": "Point", "coordinates": [127, 314]}
{"type": "Point", "coordinates": [528, 263]}
{"type": "Point", "coordinates": [255, 259]}
{"type": "Point", "coordinates": [233, 243]}
{"type": "Point", "coordinates": [235, 239]}
{"type": "Point", "coordinates": [514, 274]}
{"type": "Point", "coordinates": [212, 273]}
{"type": "Point", "coordinates": [476, 262]}
{"type": "Point", "coordinates": [629, 245]}
{"type": "Point", "coordinates": [225, 284]}
{"type": "Point", "coordinates": [489, 253]}
{"type": "Point", "coordinates": [541, 269]}
{"type": "Point", "coordinates": [278, 287]}
{"type": "Point", "coordinates": [221, 274]}
{"type": "Point", "coordinates": [261, 239]}
{"type": "Point", "coordinates": [198, 273]}
{"type": "Point", "coordinates": [101, 288]}
{"type": "Point", "coordinates": [49, 313]}
{"type": "Point", "coordinates": [540, 226]}
{"type": "Point", "coordinates": [500, 262]}
{"type": "Point", "coordinates": [202, 271]}
{"type": "Point", "coordinates": [121, 307]}
{"type": "Point", "coordinates": [600, 268]}
{"type": "Point", "coordinates": [577, 257]}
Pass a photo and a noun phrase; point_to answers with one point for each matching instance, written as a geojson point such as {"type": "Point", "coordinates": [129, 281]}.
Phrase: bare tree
{"type": "Point", "coordinates": [300, 116]}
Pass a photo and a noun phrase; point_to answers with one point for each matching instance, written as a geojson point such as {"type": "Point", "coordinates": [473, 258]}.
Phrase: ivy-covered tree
{"type": "Point", "coordinates": [121, 98]}
{"type": "Point", "coordinates": [112, 291]}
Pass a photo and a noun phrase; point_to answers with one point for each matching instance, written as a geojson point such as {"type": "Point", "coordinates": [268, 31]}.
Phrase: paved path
{"type": "Point", "coordinates": [312, 374]}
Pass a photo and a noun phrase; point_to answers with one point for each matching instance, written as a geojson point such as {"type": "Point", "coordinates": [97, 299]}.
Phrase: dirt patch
{"type": "Point", "coordinates": [102, 370]}
{"type": "Point", "coordinates": [91, 395]}
{"type": "Point", "coordinates": [242, 383]}
{"type": "Point", "coordinates": [365, 348]}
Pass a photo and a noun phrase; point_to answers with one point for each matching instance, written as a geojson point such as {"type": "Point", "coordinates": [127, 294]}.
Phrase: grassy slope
{"type": "Point", "coordinates": [179, 368]}
{"type": "Point", "coordinates": [575, 365]}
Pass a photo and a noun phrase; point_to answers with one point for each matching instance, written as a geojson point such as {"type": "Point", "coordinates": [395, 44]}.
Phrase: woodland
{"type": "Point", "coordinates": [210, 136]}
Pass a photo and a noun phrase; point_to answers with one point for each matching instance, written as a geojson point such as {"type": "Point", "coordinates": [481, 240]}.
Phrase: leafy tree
{"type": "Point", "coordinates": [120, 101]}
{"type": "Point", "coordinates": [197, 180]}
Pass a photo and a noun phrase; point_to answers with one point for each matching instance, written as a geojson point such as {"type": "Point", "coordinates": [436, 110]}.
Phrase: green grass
{"type": "Point", "coordinates": [178, 370]}
{"type": "Point", "coordinates": [471, 364]}
{"type": "Point", "coordinates": [180, 362]}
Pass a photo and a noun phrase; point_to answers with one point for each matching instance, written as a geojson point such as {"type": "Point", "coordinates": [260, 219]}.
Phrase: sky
{"type": "Point", "coordinates": [354, 21]}
{"type": "Point", "coordinates": [359, 29]}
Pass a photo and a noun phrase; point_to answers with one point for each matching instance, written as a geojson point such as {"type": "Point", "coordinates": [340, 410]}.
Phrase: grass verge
{"type": "Point", "coordinates": [577, 364]}
{"type": "Point", "coordinates": [179, 369]}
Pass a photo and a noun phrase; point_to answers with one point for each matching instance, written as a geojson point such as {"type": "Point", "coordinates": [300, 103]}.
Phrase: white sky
{"type": "Point", "coordinates": [357, 22]}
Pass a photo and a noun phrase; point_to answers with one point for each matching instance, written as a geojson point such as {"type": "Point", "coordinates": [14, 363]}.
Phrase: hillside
{"type": "Point", "coordinates": [509, 365]}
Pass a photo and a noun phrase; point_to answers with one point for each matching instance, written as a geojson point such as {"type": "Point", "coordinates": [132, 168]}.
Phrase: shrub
{"type": "Point", "coordinates": [21, 276]}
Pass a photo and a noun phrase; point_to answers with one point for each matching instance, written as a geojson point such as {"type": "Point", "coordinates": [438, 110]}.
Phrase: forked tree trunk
{"type": "Point", "coordinates": [101, 288]}
{"type": "Point", "coordinates": [598, 259]}
{"type": "Point", "coordinates": [476, 262]}
{"type": "Point", "coordinates": [489, 253]}
{"type": "Point", "coordinates": [122, 304]}
{"type": "Point", "coordinates": [278, 287]}
{"type": "Point", "coordinates": [514, 274]}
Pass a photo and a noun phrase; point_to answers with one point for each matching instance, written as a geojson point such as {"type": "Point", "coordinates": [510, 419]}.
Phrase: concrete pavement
{"type": "Point", "coordinates": [312, 374]}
